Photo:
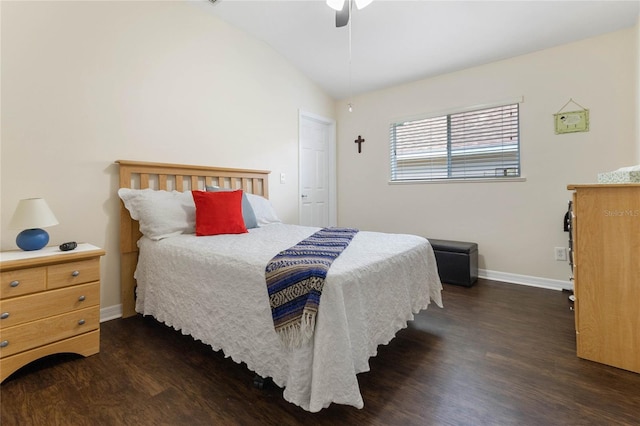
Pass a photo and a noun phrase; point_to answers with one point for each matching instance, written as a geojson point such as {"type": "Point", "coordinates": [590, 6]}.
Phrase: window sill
{"type": "Point", "coordinates": [438, 181]}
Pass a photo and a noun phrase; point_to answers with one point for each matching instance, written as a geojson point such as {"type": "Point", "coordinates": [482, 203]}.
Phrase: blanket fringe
{"type": "Point", "coordinates": [298, 334]}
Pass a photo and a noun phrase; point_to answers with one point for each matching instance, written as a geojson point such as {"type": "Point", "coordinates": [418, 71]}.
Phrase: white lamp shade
{"type": "Point", "coordinates": [32, 213]}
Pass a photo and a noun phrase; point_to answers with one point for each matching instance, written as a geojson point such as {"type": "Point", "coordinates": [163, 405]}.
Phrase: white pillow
{"type": "Point", "coordinates": [265, 214]}
{"type": "Point", "coordinates": [161, 214]}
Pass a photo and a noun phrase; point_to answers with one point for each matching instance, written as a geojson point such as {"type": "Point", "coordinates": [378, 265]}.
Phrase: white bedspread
{"type": "Point", "coordinates": [213, 288]}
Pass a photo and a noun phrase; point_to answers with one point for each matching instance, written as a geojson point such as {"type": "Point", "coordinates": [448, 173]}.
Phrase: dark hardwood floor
{"type": "Point", "coordinates": [497, 354]}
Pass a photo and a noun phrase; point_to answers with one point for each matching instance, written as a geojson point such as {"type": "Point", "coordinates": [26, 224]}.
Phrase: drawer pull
{"type": "Point", "coordinates": [4, 344]}
{"type": "Point", "coordinates": [82, 299]}
{"type": "Point", "coordinates": [14, 283]}
{"type": "Point", "coordinates": [75, 273]}
{"type": "Point", "coordinates": [81, 322]}
{"type": "Point", "coordinates": [4, 315]}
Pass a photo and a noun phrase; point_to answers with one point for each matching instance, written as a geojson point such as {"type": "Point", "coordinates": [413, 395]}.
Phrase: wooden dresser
{"type": "Point", "coordinates": [49, 303]}
{"type": "Point", "coordinates": [606, 242]}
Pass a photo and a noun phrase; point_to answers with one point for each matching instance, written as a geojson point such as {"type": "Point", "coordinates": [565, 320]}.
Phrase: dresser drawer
{"type": "Point", "coordinates": [36, 306]}
{"type": "Point", "coordinates": [36, 333]}
{"type": "Point", "coordinates": [66, 274]}
{"type": "Point", "coordinates": [22, 281]}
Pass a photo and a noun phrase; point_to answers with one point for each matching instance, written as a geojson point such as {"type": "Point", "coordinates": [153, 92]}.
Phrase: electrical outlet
{"type": "Point", "coordinates": [560, 253]}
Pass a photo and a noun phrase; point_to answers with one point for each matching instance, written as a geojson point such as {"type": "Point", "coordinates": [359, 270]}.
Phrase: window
{"type": "Point", "coordinates": [479, 144]}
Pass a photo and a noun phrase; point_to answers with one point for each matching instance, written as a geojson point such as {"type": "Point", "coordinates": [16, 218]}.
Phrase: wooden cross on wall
{"type": "Point", "coordinates": [359, 141]}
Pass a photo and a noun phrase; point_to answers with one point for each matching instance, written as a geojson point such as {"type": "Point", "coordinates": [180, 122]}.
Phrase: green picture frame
{"type": "Point", "coordinates": [571, 121]}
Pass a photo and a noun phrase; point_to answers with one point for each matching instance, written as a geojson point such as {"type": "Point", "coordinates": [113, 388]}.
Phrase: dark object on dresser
{"type": "Point", "coordinates": [68, 246]}
{"type": "Point", "coordinates": [457, 261]}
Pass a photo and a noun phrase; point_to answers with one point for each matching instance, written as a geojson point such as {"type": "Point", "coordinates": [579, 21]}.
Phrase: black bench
{"type": "Point", "coordinates": [457, 261]}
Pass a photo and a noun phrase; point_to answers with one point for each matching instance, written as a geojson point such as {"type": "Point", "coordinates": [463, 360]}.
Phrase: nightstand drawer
{"type": "Point", "coordinates": [36, 306]}
{"type": "Point", "coordinates": [66, 274]}
{"type": "Point", "coordinates": [37, 333]}
{"type": "Point", "coordinates": [22, 281]}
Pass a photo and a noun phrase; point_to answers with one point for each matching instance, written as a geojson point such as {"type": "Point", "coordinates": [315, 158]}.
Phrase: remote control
{"type": "Point", "coordinates": [68, 246]}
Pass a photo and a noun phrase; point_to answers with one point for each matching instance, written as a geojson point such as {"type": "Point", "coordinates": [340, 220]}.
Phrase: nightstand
{"type": "Point", "coordinates": [49, 303]}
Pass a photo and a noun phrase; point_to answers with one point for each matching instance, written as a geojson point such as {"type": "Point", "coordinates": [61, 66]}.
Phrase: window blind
{"type": "Point", "coordinates": [479, 144]}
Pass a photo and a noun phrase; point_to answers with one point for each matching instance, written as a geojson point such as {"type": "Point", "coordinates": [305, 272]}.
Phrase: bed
{"type": "Point", "coordinates": [213, 287]}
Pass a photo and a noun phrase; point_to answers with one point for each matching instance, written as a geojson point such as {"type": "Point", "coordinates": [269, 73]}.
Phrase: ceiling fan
{"type": "Point", "coordinates": [343, 9]}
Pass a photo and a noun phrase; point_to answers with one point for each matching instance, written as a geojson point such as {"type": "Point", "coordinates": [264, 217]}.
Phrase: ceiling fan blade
{"type": "Point", "coordinates": [361, 4]}
{"type": "Point", "coordinates": [342, 16]}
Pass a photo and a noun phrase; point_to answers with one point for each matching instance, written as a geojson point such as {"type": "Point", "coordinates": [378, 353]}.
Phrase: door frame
{"type": "Point", "coordinates": [331, 163]}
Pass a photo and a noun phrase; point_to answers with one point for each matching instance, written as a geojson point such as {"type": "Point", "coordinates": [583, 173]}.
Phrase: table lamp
{"type": "Point", "coordinates": [32, 214]}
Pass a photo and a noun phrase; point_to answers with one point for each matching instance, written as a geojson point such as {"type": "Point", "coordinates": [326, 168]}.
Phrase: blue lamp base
{"type": "Point", "coordinates": [32, 239]}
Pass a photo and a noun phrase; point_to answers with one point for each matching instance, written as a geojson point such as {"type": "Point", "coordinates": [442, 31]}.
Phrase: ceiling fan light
{"type": "Point", "coordinates": [336, 4]}
{"type": "Point", "coordinates": [361, 4]}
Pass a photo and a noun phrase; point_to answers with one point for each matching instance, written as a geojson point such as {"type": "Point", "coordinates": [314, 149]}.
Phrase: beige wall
{"type": "Point", "coordinates": [516, 224]}
{"type": "Point", "coordinates": [88, 83]}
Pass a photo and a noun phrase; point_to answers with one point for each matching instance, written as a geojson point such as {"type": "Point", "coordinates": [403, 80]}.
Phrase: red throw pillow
{"type": "Point", "coordinates": [219, 213]}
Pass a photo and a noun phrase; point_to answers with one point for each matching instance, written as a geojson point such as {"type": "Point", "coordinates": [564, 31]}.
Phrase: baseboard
{"type": "Point", "coordinates": [526, 280]}
{"type": "Point", "coordinates": [110, 312]}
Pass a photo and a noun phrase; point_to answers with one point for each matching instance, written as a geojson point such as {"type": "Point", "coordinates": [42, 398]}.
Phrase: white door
{"type": "Point", "coordinates": [317, 171]}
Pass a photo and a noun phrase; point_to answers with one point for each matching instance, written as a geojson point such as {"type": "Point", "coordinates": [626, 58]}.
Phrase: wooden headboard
{"type": "Point", "coordinates": [179, 177]}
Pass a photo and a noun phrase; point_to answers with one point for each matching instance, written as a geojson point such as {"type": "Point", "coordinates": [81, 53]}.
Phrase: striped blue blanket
{"type": "Point", "coordinates": [295, 278]}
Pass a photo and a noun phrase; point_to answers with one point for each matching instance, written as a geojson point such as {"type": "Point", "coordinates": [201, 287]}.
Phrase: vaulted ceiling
{"type": "Point", "coordinates": [397, 41]}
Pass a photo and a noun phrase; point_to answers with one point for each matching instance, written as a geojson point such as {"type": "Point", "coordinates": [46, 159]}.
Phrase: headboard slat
{"type": "Point", "coordinates": [162, 182]}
